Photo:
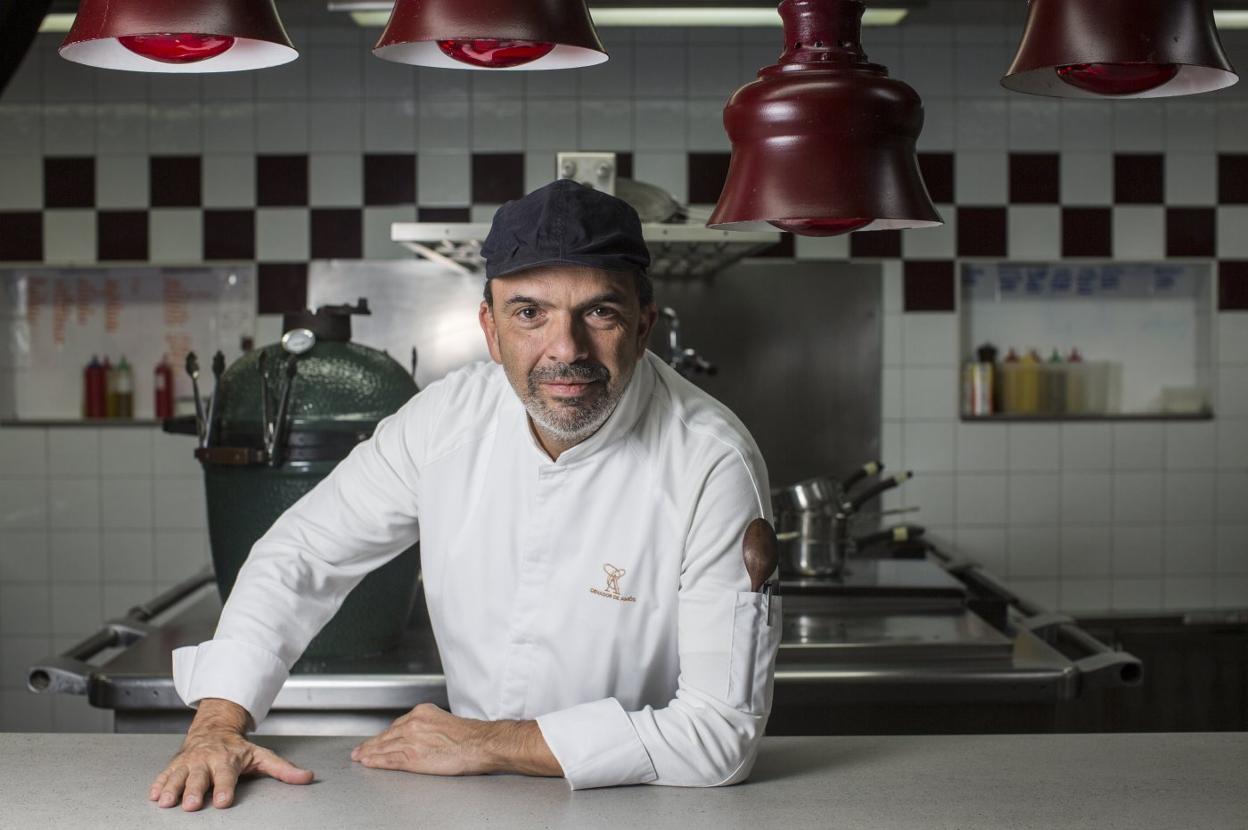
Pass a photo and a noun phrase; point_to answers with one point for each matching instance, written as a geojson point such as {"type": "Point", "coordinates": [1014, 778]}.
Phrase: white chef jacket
{"type": "Point", "coordinates": [603, 594]}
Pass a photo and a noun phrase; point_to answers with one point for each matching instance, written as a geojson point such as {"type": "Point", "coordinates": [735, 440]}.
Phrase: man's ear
{"type": "Point", "coordinates": [485, 315]}
{"type": "Point", "coordinates": [645, 324]}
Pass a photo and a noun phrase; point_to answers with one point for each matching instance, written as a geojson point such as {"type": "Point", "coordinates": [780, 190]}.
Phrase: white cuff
{"type": "Point", "coordinates": [597, 746]}
{"type": "Point", "coordinates": [232, 670]}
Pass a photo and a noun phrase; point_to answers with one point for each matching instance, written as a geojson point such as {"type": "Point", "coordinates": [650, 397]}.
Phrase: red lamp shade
{"type": "Point", "coordinates": [823, 143]}
{"type": "Point", "coordinates": [1119, 49]}
{"type": "Point", "coordinates": [178, 35]}
{"type": "Point", "coordinates": [491, 34]}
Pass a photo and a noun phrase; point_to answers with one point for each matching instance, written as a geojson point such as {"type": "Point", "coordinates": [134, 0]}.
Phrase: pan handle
{"type": "Point", "coordinates": [874, 490]}
{"type": "Point", "coordinates": [868, 469]}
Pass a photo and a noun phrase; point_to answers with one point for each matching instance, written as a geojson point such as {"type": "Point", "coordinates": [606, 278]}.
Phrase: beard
{"type": "Point", "coordinates": [574, 419]}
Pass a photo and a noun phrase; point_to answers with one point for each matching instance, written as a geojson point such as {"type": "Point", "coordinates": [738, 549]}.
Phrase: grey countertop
{"type": "Point", "coordinates": [993, 781]}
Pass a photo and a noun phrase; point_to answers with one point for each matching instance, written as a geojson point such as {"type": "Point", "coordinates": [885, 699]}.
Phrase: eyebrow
{"type": "Point", "coordinates": [606, 297]}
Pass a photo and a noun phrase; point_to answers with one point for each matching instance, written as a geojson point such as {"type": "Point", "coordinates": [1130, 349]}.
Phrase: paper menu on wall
{"type": "Point", "coordinates": [53, 320]}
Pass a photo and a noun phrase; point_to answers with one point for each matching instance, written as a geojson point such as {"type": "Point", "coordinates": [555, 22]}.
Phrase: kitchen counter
{"type": "Point", "coordinates": [983, 781]}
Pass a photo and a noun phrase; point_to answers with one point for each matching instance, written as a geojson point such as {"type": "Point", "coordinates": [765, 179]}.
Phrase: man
{"type": "Point", "coordinates": [583, 457]}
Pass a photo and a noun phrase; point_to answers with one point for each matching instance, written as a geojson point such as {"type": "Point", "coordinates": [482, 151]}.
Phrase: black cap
{"type": "Point", "coordinates": [565, 223]}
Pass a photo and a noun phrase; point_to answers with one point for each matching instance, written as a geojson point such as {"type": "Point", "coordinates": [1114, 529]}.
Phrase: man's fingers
{"type": "Point", "coordinates": [153, 792]}
{"type": "Point", "coordinates": [224, 780]}
{"type": "Point", "coordinates": [171, 792]}
{"type": "Point", "coordinates": [197, 783]}
{"type": "Point", "coordinates": [275, 766]}
{"type": "Point", "coordinates": [385, 760]}
{"type": "Point", "coordinates": [371, 744]}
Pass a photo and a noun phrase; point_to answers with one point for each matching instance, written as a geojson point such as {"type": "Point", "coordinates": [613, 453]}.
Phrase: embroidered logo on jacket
{"type": "Point", "coordinates": [613, 584]}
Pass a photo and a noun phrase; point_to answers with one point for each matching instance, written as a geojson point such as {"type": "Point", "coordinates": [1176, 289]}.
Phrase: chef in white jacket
{"type": "Point", "coordinates": [581, 509]}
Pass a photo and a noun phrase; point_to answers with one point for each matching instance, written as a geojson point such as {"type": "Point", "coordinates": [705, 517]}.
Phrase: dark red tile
{"type": "Point", "coordinates": [176, 181]}
{"type": "Point", "coordinates": [444, 214]}
{"type": "Point", "coordinates": [786, 248]}
{"type": "Point", "coordinates": [1139, 178]}
{"type": "Point", "coordinates": [498, 177]}
{"type": "Point", "coordinates": [1233, 178]}
{"type": "Point", "coordinates": [390, 179]}
{"type": "Point", "coordinates": [1192, 231]}
{"type": "Point", "coordinates": [21, 236]}
{"type": "Point", "coordinates": [706, 176]}
{"type": "Point", "coordinates": [121, 235]}
{"type": "Point", "coordinates": [281, 287]}
{"type": "Point", "coordinates": [230, 234]}
{"type": "Point", "coordinates": [1035, 178]}
{"type": "Point", "coordinates": [982, 231]}
{"type": "Point", "coordinates": [875, 244]}
{"type": "Point", "coordinates": [1233, 285]}
{"type": "Point", "coordinates": [337, 233]}
{"type": "Point", "coordinates": [1087, 232]}
{"type": "Point", "coordinates": [68, 182]}
{"type": "Point", "coordinates": [930, 285]}
{"type": "Point", "coordinates": [937, 170]}
{"type": "Point", "coordinates": [282, 181]}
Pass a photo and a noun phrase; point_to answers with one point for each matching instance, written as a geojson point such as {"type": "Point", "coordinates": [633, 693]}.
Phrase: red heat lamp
{"type": "Point", "coordinates": [1119, 49]}
{"type": "Point", "coordinates": [178, 35]}
{"type": "Point", "coordinates": [491, 35]}
{"type": "Point", "coordinates": [823, 142]}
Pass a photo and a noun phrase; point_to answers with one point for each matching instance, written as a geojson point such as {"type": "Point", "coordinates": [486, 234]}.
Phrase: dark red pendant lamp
{"type": "Point", "coordinates": [1119, 49]}
{"type": "Point", "coordinates": [178, 35]}
{"type": "Point", "coordinates": [491, 34]}
{"type": "Point", "coordinates": [823, 142]}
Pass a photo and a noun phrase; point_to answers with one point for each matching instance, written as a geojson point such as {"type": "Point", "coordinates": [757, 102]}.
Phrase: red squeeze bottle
{"type": "Point", "coordinates": [164, 388]}
{"type": "Point", "coordinates": [93, 389]}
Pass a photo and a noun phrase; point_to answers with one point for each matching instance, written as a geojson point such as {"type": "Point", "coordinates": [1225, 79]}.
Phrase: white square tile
{"type": "Point", "coordinates": [180, 504]}
{"type": "Point", "coordinates": [176, 235]}
{"type": "Point", "coordinates": [229, 182]}
{"type": "Point", "coordinates": [983, 124]}
{"type": "Point", "coordinates": [940, 242]}
{"type": "Point", "coordinates": [1232, 393]}
{"type": "Point", "coordinates": [1191, 497]}
{"type": "Point", "coordinates": [24, 553]}
{"type": "Point", "coordinates": [229, 127]}
{"type": "Point", "coordinates": [1085, 596]}
{"type": "Point", "coordinates": [891, 380]}
{"type": "Point", "coordinates": [497, 125]}
{"type": "Point", "coordinates": [669, 171]}
{"type": "Point", "coordinates": [74, 503]}
{"type": "Point", "coordinates": [389, 126]}
{"type": "Point", "coordinates": [539, 169]}
{"type": "Point", "coordinates": [981, 499]}
{"type": "Point", "coordinates": [1232, 126]}
{"type": "Point", "coordinates": [483, 213]}
{"type": "Point", "coordinates": [223, 86]}
{"type": "Point", "coordinates": [127, 555]}
{"type": "Point", "coordinates": [930, 339]}
{"type": "Point", "coordinates": [1183, 593]}
{"type": "Point", "coordinates": [443, 84]}
{"type": "Point", "coordinates": [120, 597]}
{"type": "Point", "coordinates": [706, 125]}
{"type": "Point", "coordinates": [74, 555]}
{"type": "Point", "coordinates": [336, 127]}
{"type": "Point", "coordinates": [928, 68]}
{"type": "Point", "coordinates": [1087, 447]}
{"type": "Point", "coordinates": [173, 456]}
{"type": "Point", "coordinates": [1086, 498]}
{"type": "Point", "coordinates": [1087, 178]}
{"type": "Point", "coordinates": [496, 86]}
{"type": "Point", "coordinates": [377, 222]}
{"type": "Point", "coordinates": [69, 237]}
{"type": "Point", "coordinates": [1231, 552]}
{"type": "Point", "coordinates": [1139, 446]}
{"type": "Point", "coordinates": [282, 235]}
{"type": "Point", "coordinates": [929, 445]}
{"type": "Point", "coordinates": [175, 127]}
{"type": "Point", "coordinates": [1191, 446]}
{"type": "Point", "coordinates": [891, 444]}
{"type": "Point", "coordinates": [891, 349]}
{"type": "Point", "coordinates": [933, 494]}
{"type": "Point", "coordinates": [23, 129]}
{"type": "Point", "coordinates": [27, 82]}
{"type": "Point", "coordinates": [1231, 592]}
{"type": "Point", "coordinates": [388, 80]}
{"type": "Point", "coordinates": [551, 124]}
{"type": "Point", "coordinates": [892, 284]}
{"type": "Point", "coordinates": [606, 125]}
{"type": "Point", "coordinates": [1232, 496]}
{"type": "Point", "coordinates": [1035, 232]}
{"type": "Point", "coordinates": [122, 181]}
{"type": "Point", "coordinates": [1033, 552]}
{"type": "Point", "coordinates": [26, 609]}
{"type": "Point", "coordinates": [1191, 179]}
{"type": "Point", "coordinates": [1034, 447]}
{"type": "Point", "coordinates": [74, 452]}
{"type": "Point", "coordinates": [77, 610]}
{"type": "Point", "coordinates": [1035, 123]}
{"type": "Point", "coordinates": [1232, 443]}
{"type": "Point", "coordinates": [715, 70]}
{"type": "Point", "coordinates": [17, 654]}
{"type": "Point", "coordinates": [337, 72]}
{"type": "Point", "coordinates": [286, 82]}
{"type": "Point", "coordinates": [1139, 125]}
{"type": "Point", "coordinates": [538, 85]}
{"type": "Point", "coordinates": [68, 130]}
{"type": "Point", "coordinates": [1136, 594]}
{"type": "Point", "coordinates": [1232, 338]}
{"type": "Point", "coordinates": [931, 392]}
{"type": "Point", "coordinates": [659, 124]}
{"type": "Point", "coordinates": [1138, 497]}
{"type": "Point", "coordinates": [978, 68]}
{"type": "Point", "coordinates": [444, 179]}
{"type": "Point", "coordinates": [613, 78]}
{"type": "Point", "coordinates": [985, 545]}
{"type": "Point", "coordinates": [1087, 125]}
{"type": "Point", "coordinates": [981, 447]}
{"type": "Point", "coordinates": [1138, 550]}
{"type": "Point", "coordinates": [335, 180]}
{"type": "Point", "coordinates": [1190, 125]}
{"type": "Point", "coordinates": [21, 711]}
{"type": "Point", "coordinates": [1035, 499]}
{"type": "Point", "coordinates": [281, 126]}
{"type": "Point", "coordinates": [660, 71]}
{"type": "Point", "coordinates": [443, 126]}
{"type": "Point", "coordinates": [24, 452]}
{"type": "Point", "coordinates": [1232, 241]}
{"type": "Point", "coordinates": [25, 504]}
{"type": "Point", "coordinates": [1043, 592]}
{"type": "Point", "coordinates": [22, 178]}
{"type": "Point", "coordinates": [981, 178]}
{"type": "Point", "coordinates": [1139, 232]}
{"type": "Point", "coordinates": [180, 554]}
{"type": "Point", "coordinates": [825, 247]}
{"type": "Point", "coordinates": [940, 120]}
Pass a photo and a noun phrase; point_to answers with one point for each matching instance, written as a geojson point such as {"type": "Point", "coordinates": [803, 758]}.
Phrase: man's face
{"type": "Point", "coordinates": [569, 339]}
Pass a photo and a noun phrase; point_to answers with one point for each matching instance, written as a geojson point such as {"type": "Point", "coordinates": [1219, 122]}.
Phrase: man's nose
{"type": "Point", "coordinates": [569, 341]}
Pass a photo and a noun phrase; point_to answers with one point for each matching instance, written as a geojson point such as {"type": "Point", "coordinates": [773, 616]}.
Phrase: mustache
{"type": "Point", "coordinates": [587, 372]}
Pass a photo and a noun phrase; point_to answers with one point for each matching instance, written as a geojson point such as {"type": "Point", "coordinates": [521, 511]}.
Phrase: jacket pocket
{"type": "Point", "coordinates": [752, 656]}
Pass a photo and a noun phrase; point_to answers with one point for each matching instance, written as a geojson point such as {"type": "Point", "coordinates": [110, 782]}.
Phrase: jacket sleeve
{"type": "Point", "coordinates": [362, 515]}
{"type": "Point", "coordinates": [708, 734]}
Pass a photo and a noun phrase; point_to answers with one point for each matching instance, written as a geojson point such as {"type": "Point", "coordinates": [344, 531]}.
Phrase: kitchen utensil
{"type": "Point", "coordinates": [218, 369]}
{"type": "Point", "coordinates": [866, 470]}
{"type": "Point", "coordinates": [761, 552]}
{"type": "Point", "coordinates": [266, 425]}
{"type": "Point", "coordinates": [192, 369]}
{"type": "Point", "coordinates": [874, 490]}
{"type": "Point", "coordinates": [291, 368]}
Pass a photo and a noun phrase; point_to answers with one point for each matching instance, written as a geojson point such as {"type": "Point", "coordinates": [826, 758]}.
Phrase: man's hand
{"type": "Point", "coordinates": [213, 756]}
{"type": "Point", "coordinates": [433, 741]}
